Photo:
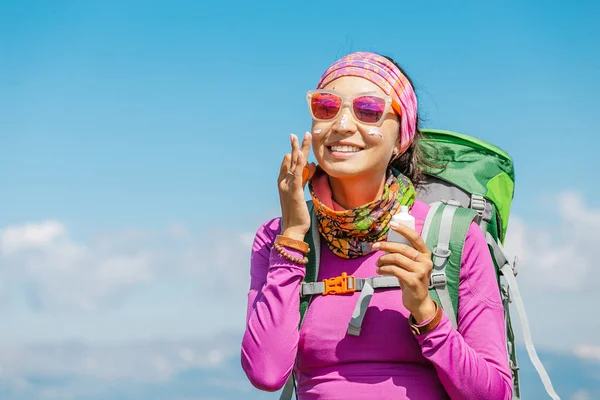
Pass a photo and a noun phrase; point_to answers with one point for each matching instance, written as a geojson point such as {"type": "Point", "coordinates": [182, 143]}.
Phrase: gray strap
{"type": "Point", "coordinates": [288, 389]}
{"type": "Point", "coordinates": [428, 219]}
{"type": "Point", "coordinates": [444, 295]}
{"type": "Point", "coordinates": [441, 252]}
{"type": "Point", "coordinates": [483, 208]}
{"type": "Point", "coordinates": [487, 216]}
{"type": "Point", "coordinates": [308, 289]}
{"type": "Point", "coordinates": [360, 309]}
{"type": "Point", "coordinates": [498, 253]}
{"type": "Point", "coordinates": [440, 259]}
{"type": "Point", "coordinates": [442, 249]}
{"type": "Point", "coordinates": [507, 271]}
{"type": "Point", "coordinates": [367, 287]}
{"type": "Point", "coordinates": [377, 282]}
{"type": "Point", "coordinates": [478, 203]}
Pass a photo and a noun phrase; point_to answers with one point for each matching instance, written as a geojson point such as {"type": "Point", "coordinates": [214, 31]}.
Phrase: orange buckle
{"type": "Point", "coordinates": [340, 284]}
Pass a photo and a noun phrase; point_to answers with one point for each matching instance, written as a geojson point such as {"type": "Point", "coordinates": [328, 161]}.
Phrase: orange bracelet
{"type": "Point", "coordinates": [292, 243]}
{"type": "Point", "coordinates": [295, 260]}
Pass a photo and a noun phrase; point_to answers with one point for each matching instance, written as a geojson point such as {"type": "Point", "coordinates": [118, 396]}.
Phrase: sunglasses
{"type": "Point", "coordinates": [368, 108]}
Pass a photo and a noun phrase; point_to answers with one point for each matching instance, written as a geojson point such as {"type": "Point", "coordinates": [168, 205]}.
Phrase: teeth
{"type": "Point", "coordinates": [345, 149]}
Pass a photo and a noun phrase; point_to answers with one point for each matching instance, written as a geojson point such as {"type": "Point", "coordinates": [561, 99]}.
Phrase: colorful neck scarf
{"type": "Point", "coordinates": [346, 231]}
{"type": "Point", "coordinates": [389, 78]}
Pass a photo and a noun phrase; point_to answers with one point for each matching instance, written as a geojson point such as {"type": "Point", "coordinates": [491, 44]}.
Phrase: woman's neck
{"type": "Point", "coordinates": [356, 192]}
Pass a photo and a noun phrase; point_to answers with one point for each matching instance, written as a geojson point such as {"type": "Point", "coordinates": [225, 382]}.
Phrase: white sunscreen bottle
{"type": "Point", "coordinates": [402, 218]}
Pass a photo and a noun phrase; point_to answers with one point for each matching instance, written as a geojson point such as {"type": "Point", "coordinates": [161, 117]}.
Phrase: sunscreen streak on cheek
{"type": "Point", "coordinates": [375, 132]}
{"type": "Point", "coordinates": [317, 131]}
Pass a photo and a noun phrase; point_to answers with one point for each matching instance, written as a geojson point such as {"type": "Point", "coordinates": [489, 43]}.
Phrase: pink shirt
{"type": "Point", "coordinates": [386, 361]}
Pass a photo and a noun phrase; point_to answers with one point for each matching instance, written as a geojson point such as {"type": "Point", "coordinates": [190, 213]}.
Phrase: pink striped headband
{"type": "Point", "coordinates": [389, 78]}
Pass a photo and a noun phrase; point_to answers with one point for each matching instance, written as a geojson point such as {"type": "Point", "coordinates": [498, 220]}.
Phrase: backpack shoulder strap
{"type": "Point", "coordinates": [444, 232]}
{"type": "Point", "coordinates": [314, 256]}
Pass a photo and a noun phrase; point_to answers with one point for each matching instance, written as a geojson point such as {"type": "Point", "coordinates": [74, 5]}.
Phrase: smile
{"type": "Point", "coordinates": [345, 149]}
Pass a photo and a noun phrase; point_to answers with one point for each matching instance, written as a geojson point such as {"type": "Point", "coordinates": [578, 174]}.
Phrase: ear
{"type": "Point", "coordinates": [398, 144]}
{"type": "Point", "coordinates": [396, 150]}
{"type": "Point", "coordinates": [397, 147]}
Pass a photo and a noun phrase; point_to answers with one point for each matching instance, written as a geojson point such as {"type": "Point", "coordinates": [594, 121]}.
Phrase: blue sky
{"type": "Point", "coordinates": [136, 113]}
{"type": "Point", "coordinates": [136, 131]}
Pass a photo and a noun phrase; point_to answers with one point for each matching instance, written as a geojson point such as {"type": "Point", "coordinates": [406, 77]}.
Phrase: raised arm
{"type": "Point", "coordinates": [270, 341]}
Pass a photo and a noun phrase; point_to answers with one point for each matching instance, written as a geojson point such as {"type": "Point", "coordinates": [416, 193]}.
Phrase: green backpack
{"type": "Point", "coordinates": [475, 182]}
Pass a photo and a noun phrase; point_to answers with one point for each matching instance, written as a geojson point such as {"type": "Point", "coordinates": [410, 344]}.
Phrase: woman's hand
{"type": "Point", "coordinates": [295, 219]}
{"type": "Point", "coordinates": [412, 267]}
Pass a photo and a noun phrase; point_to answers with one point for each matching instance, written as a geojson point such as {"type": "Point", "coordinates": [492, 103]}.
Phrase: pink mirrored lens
{"type": "Point", "coordinates": [325, 105]}
{"type": "Point", "coordinates": [369, 108]}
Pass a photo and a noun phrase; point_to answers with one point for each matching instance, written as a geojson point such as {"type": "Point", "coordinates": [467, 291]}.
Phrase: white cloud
{"type": "Point", "coordinates": [29, 236]}
{"type": "Point", "coordinates": [141, 361]}
{"type": "Point", "coordinates": [59, 272]}
{"type": "Point", "coordinates": [581, 395]}
{"type": "Point", "coordinates": [54, 270]}
{"type": "Point", "coordinates": [558, 271]}
{"type": "Point", "coordinates": [177, 369]}
{"type": "Point", "coordinates": [574, 209]}
{"type": "Point", "coordinates": [560, 255]}
{"type": "Point", "coordinates": [588, 352]}
{"type": "Point", "coordinates": [248, 239]}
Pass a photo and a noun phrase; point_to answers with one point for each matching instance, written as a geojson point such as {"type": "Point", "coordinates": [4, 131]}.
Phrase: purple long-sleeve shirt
{"type": "Point", "coordinates": [386, 361]}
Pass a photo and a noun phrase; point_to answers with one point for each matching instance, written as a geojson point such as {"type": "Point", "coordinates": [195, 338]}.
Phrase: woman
{"type": "Point", "coordinates": [364, 138]}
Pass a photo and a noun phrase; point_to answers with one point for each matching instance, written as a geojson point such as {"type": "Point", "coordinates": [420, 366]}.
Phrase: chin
{"type": "Point", "coordinates": [342, 170]}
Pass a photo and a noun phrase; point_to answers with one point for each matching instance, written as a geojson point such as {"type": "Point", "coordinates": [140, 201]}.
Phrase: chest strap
{"type": "Point", "coordinates": [345, 284]}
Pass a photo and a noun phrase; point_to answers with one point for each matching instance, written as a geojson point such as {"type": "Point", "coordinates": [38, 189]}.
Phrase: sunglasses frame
{"type": "Point", "coordinates": [348, 102]}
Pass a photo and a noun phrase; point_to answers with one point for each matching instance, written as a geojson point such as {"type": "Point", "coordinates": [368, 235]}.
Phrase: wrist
{"type": "Point", "coordinates": [293, 234]}
{"type": "Point", "coordinates": [425, 311]}
{"type": "Point", "coordinates": [427, 325]}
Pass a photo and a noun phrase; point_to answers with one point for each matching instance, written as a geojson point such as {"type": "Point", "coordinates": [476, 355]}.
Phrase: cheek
{"type": "Point", "coordinates": [377, 136]}
{"type": "Point", "coordinates": [390, 131]}
{"type": "Point", "coordinates": [320, 129]}
{"type": "Point", "coordinates": [375, 132]}
{"type": "Point", "coordinates": [382, 137]}
{"type": "Point", "coordinates": [317, 143]}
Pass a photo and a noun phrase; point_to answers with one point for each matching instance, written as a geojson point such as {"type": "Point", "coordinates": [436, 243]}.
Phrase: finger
{"type": "Point", "coordinates": [285, 165]}
{"type": "Point", "coordinates": [298, 167]}
{"type": "Point", "coordinates": [306, 145]}
{"type": "Point", "coordinates": [413, 237]}
{"type": "Point", "coordinates": [406, 278]}
{"type": "Point", "coordinates": [399, 260]}
{"type": "Point", "coordinates": [393, 247]}
{"type": "Point", "coordinates": [295, 151]}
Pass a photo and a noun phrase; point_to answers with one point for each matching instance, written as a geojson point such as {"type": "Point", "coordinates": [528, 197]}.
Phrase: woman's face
{"type": "Point", "coordinates": [347, 149]}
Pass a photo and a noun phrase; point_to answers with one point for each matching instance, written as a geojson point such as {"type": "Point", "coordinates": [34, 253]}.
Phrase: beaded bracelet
{"type": "Point", "coordinates": [295, 260]}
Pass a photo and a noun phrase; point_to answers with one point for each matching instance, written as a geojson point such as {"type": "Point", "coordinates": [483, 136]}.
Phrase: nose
{"type": "Point", "coordinates": [345, 123]}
